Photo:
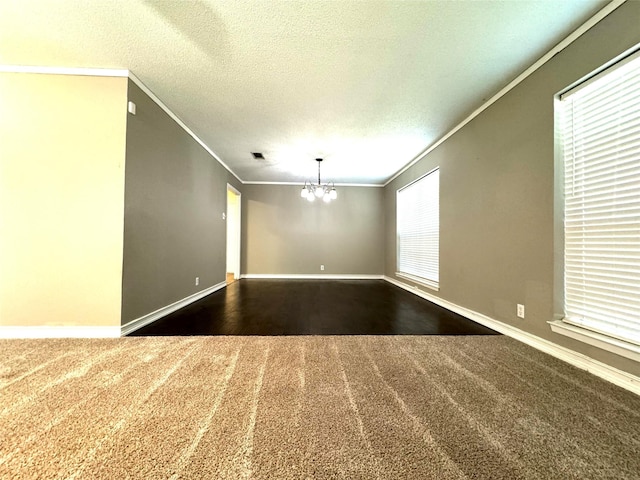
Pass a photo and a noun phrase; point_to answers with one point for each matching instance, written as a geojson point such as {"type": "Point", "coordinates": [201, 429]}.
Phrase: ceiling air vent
{"type": "Point", "coordinates": [257, 155]}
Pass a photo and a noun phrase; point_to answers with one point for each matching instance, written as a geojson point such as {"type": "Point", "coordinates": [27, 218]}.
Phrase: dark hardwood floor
{"type": "Point", "coordinates": [313, 307]}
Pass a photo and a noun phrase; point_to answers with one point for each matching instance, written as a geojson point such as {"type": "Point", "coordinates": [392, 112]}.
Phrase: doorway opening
{"type": "Point", "coordinates": [233, 234]}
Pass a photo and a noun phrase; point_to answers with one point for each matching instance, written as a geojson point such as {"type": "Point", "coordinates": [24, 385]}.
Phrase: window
{"type": "Point", "coordinates": [418, 230]}
{"type": "Point", "coordinates": [600, 136]}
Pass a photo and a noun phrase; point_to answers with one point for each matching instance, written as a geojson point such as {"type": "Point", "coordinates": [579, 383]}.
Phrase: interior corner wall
{"type": "Point", "coordinates": [497, 193]}
{"type": "Point", "coordinates": [62, 154]}
{"type": "Point", "coordinates": [175, 195]}
{"type": "Point", "coordinates": [283, 234]}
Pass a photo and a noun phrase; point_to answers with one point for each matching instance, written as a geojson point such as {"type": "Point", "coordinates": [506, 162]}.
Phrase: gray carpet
{"type": "Point", "coordinates": [482, 407]}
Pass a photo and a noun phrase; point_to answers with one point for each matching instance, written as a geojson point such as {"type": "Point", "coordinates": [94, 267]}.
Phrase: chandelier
{"type": "Point", "coordinates": [311, 191]}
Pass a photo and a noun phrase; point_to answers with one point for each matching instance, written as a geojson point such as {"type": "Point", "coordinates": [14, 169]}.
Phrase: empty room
{"type": "Point", "coordinates": [317, 239]}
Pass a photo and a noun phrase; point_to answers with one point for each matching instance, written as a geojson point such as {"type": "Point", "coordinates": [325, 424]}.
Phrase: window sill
{"type": "Point", "coordinates": [421, 281]}
{"type": "Point", "coordinates": [619, 347]}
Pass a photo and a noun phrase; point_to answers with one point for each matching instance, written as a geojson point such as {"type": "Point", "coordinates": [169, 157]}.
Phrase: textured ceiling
{"type": "Point", "coordinates": [367, 85]}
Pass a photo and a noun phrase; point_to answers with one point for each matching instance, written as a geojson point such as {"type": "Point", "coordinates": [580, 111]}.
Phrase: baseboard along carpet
{"type": "Point", "coordinates": [352, 407]}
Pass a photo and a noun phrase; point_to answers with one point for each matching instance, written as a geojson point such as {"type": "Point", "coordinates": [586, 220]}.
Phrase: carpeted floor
{"type": "Point", "coordinates": [483, 407]}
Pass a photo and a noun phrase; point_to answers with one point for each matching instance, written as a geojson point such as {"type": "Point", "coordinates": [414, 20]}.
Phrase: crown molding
{"type": "Point", "coordinates": [299, 184]}
{"type": "Point", "coordinates": [177, 119]}
{"type": "Point", "coordinates": [92, 72]}
{"type": "Point", "coordinates": [519, 79]}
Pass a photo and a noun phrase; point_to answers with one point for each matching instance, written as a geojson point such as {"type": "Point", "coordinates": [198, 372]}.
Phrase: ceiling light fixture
{"type": "Point", "coordinates": [311, 191]}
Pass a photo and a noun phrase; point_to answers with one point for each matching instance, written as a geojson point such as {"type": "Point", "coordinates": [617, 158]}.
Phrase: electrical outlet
{"type": "Point", "coordinates": [322, 267]}
{"type": "Point", "coordinates": [197, 281]}
{"type": "Point", "coordinates": [520, 311]}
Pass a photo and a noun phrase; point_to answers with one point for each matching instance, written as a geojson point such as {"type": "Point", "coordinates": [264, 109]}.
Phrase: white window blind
{"type": "Point", "coordinates": [418, 229]}
{"type": "Point", "coordinates": [600, 129]}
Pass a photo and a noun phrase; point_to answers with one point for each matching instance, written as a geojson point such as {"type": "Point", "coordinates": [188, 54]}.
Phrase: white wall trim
{"type": "Point", "coordinates": [619, 347]}
{"type": "Point", "coordinates": [312, 276]}
{"type": "Point", "coordinates": [47, 331]}
{"type": "Point", "coordinates": [166, 109]}
{"type": "Point", "coordinates": [93, 72]}
{"type": "Point", "coordinates": [233, 189]}
{"type": "Point", "coordinates": [300, 184]}
{"type": "Point", "coordinates": [233, 254]}
{"type": "Point", "coordinates": [140, 322]}
{"type": "Point", "coordinates": [422, 281]}
{"type": "Point", "coordinates": [606, 10]}
{"type": "Point", "coordinates": [618, 377]}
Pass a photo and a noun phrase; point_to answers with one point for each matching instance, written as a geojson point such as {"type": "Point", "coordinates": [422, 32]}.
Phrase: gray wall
{"type": "Point", "coordinates": [284, 234]}
{"type": "Point", "coordinates": [497, 193]}
{"type": "Point", "coordinates": [175, 193]}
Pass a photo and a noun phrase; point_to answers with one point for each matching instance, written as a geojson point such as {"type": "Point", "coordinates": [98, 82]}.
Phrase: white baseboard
{"type": "Point", "coordinates": [618, 377]}
{"type": "Point", "coordinates": [140, 322]}
{"type": "Point", "coordinates": [62, 331]}
{"type": "Point", "coordinates": [312, 276]}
